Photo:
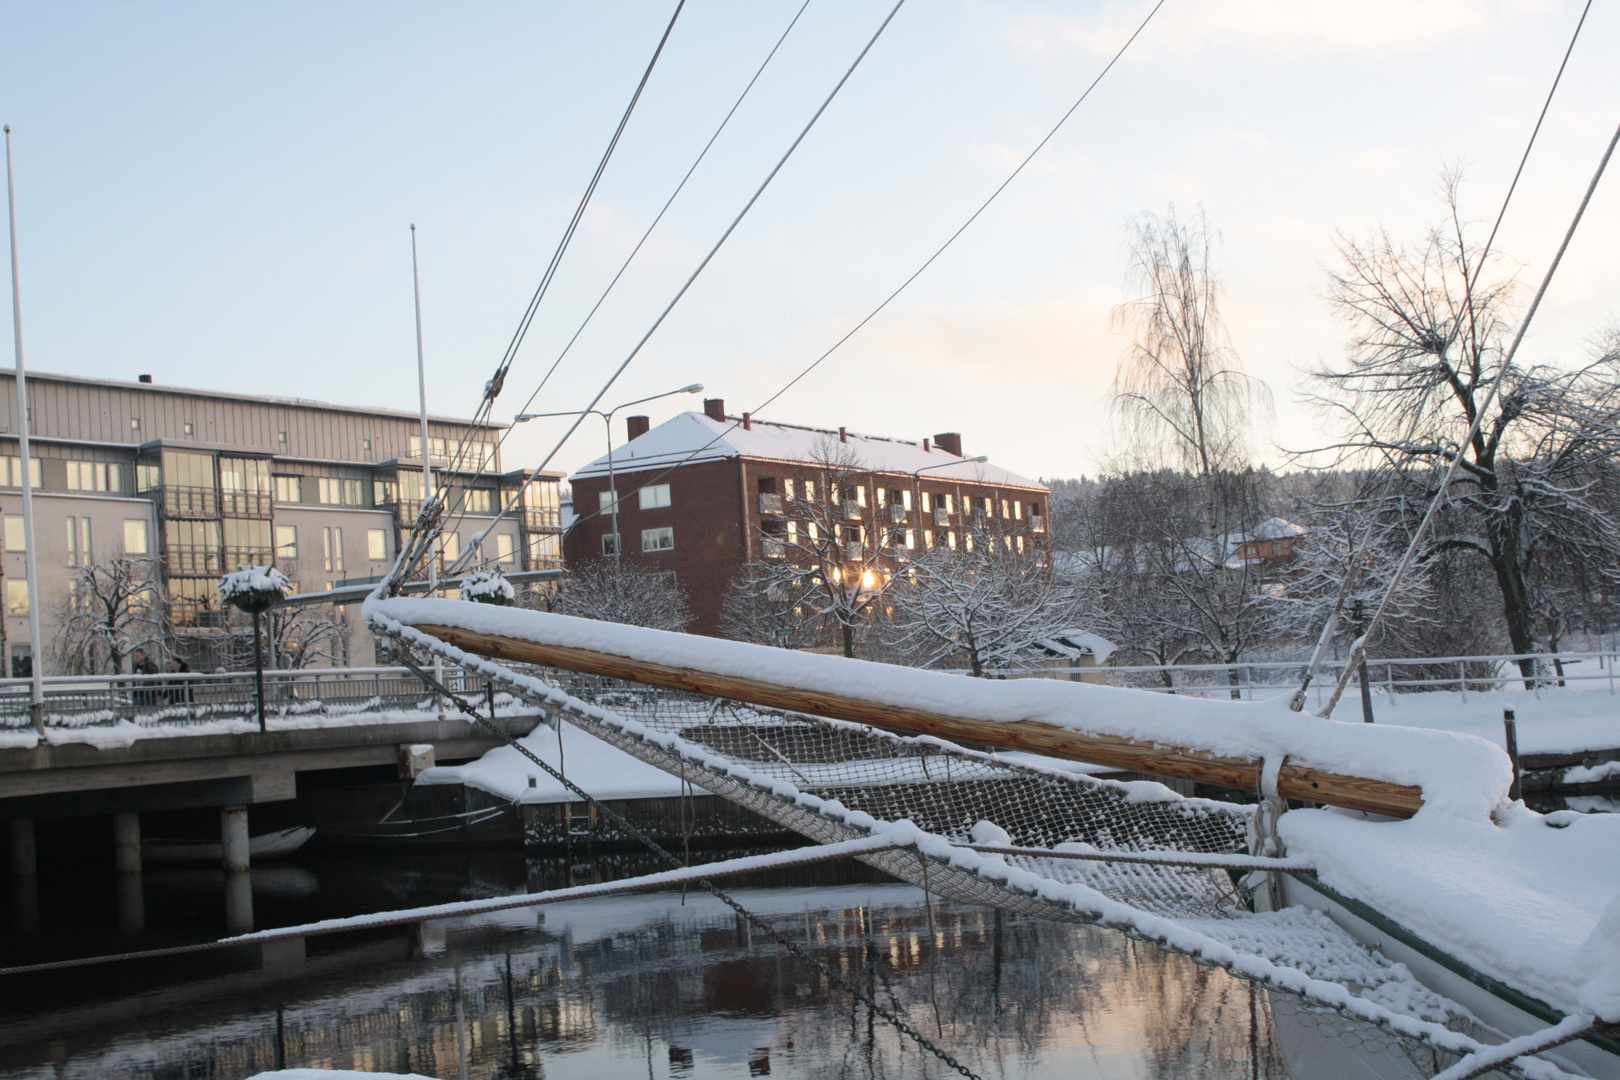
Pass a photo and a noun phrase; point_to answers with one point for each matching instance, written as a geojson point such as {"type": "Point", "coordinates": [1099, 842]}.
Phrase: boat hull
{"type": "Point", "coordinates": [274, 845]}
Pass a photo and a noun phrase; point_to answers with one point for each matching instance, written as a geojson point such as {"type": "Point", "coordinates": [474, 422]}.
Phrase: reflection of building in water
{"type": "Point", "coordinates": [611, 982]}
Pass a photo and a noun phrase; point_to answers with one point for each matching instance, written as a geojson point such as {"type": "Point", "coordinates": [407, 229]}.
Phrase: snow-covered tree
{"type": "Point", "coordinates": [1429, 325]}
{"type": "Point", "coordinates": [110, 609]}
{"type": "Point", "coordinates": [624, 591]}
{"type": "Point", "coordinates": [986, 606]}
{"type": "Point", "coordinates": [827, 562]}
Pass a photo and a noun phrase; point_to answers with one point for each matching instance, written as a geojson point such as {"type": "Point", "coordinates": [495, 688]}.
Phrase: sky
{"type": "Point", "coordinates": [220, 195]}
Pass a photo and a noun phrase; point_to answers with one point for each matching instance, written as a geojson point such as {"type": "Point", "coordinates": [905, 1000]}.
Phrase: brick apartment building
{"type": "Point", "coordinates": [197, 482]}
{"type": "Point", "coordinates": [703, 493]}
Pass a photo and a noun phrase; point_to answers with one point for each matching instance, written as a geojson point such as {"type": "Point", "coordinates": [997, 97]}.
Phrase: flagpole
{"type": "Point", "coordinates": [427, 468]}
{"type": "Point", "coordinates": [36, 706]}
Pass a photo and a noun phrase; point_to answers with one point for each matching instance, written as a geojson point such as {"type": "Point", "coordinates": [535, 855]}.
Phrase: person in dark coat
{"type": "Point", "coordinates": [141, 664]}
{"type": "Point", "coordinates": [179, 687]}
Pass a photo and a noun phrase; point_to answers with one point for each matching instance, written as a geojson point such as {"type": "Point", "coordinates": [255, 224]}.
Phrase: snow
{"type": "Point", "coordinates": [1459, 774]}
{"type": "Point", "coordinates": [1582, 774]}
{"type": "Point", "coordinates": [1519, 898]}
{"type": "Point", "coordinates": [694, 436]}
{"type": "Point", "coordinates": [251, 580]}
{"type": "Point", "coordinates": [488, 587]}
{"type": "Point", "coordinates": [1570, 720]}
{"type": "Point", "coordinates": [602, 770]}
{"type": "Point", "coordinates": [1082, 643]}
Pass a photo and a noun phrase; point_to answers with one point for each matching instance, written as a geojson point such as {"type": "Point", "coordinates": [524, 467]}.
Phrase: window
{"type": "Point", "coordinates": [190, 428]}
{"type": "Point", "coordinates": [16, 537]}
{"type": "Point", "coordinates": [905, 499]}
{"type": "Point", "coordinates": [385, 492]}
{"type": "Point", "coordinates": [11, 472]}
{"type": "Point", "coordinates": [435, 446]}
{"type": "Point", "coordinates": [148, 477]}
{"type": "Point", "coordinates": [78, 542]}
{"type": "Point", "coordinates": [368, 444]}
{"type": "Point", "coordinates": [335, 492]}
{"type": "Point", "coordinates": [654, 496]}
{"type": "Point", "coordinates": [928, 538]}
{"type": "Point", "coordinates": [950, 503]}
{"type": "Point", "coordinates": [505, 547]}
{"type": "Point", "coordinates": [332, 549]}
{"type": "Point", "coordinates": [911, 540]}
{"type": "Point", "coordinates": [16, 596]}
{"type": "Point", "coordinates": [882, 497]}
{"type": "Point", "coordinates": [188, 470]}
{"type": "Point", "coordinates": [477, 501]}
{"type": "Point", "coordinates": [450, 544]}
{"type": "Point", "coordinates": [810, 527]}
{"type": "Point", "coordinates": [657, 539]}
{"type": "Point", "coordinates": [286, 541]}
{"type": "Point", "coordinates": [787, 489]}
{"type": "Point", "coordinates": [281, 437]}
{"type": "Point", "coordinates": [94, 476]}
{"type": "Point", "coordinates": [610, 544]}
{"type": "Point", "coordinates": [377, 544]}
{"type": "Point", "coordinates": [135, 541]}
{"type": "Point", "coordinates": [927, 502]}
{"type": "Point", "coordinates": [289, 489]}
{"type": "Point", "coordinates": [1020, 545]}
{"type": "Point", "coordinates": [604, 501]}
{"type": "Point", "coordinates": [950, 541]}
{"type": "Point", "coordinates": [134, 422]}
{"type": "Point", "coordinates": [809, 491]}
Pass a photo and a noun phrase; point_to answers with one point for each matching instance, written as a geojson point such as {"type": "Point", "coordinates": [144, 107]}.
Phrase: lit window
{"type": "Point", "coordinates": [376, 545]}
{"type": "Point", "coordinates": [505, 547]}
{"type": "Point", "coordinates": [289, 489]}
{"type": "Point", "coordinates": [286, 541]}
{"type": "Point", "coordinates": [809, 491]}
{"type": "Point", "coordinates": [950, 541]}
{"type": "Point", "coordinates": [135, 542]}
{"type": "Point", "coordinates": [928, 538]}
{"type": "Point", "coordinates": [1018, 510]}
{"type": "Point", "coordinates": [910, 539]}
{"type": "Point", "coordinates": [967, 541]}
{"type": "Point", "coordinates": [860, 494]}
{"type": "Point", "coordinates": [1020, 545]}
{"type": "Point", "coordinates": [134, 425]}
{"type": "Point", "coordinates": [657, 539]}
{"type": "Point", "coordinates": [332, 549]}
{"type": "Point", "coordinates": [905, 499]}
{"type": "Point", "coordinates": [882, 497]}
{"type": "Point", "coordinates": [478, 501]}
{"type": "Point", "coordinates": [190, 428]}
{"type": "Point", "coordinates": [787, 488]}
{"type": "Point", "coordinates": [927, 502]}
{"type": "Point", "coordinates": [16, 596]}
{"type": "Point", "coordinates": [810, 527]}
{"type": "Point", "coordinates": [16, 535]}
{"type": "Point", "coordinates": [655, 496]}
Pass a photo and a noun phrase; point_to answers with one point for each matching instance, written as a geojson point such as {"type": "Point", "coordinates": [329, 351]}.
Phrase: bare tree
{"type": "Point", "coordinates": [111, 608]}
{"type": "Point", "coordinates": [1186, 404]}
{"type": "Point", "coordinates": [1428, 329]}
{"type": "Point", "coordinates": [624, 591]}
{"type": "Point", "coordinates": [988, 605]}
{"type": "Point", "coordinates": [827, 562]}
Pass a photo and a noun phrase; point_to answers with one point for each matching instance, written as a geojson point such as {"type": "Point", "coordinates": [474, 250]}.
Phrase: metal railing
{"type": "Point", "coordinates": [1390, 677]}
{"type": "Point", "coordinates": [192, 699]}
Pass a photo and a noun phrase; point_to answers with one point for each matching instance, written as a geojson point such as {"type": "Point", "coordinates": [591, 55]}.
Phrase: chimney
{"type": "Point", "coordinates": [748, 424]}
{"type": "Point", "coordinates": [143, 378]}
{"type": "Point", "coordinates": [925, 446]}
{"type": "Point", "coordinates": [636, 426]}
{"type": "Point", "coordinates": [950, 442]}
{"type": "Point", "coordinates": [715, 408]}
{"type": "Point", "coordinates": [843, 435]}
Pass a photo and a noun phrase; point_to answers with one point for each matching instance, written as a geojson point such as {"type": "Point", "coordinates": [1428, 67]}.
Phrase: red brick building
{"type": "Point", "coordinates": [703, 494]}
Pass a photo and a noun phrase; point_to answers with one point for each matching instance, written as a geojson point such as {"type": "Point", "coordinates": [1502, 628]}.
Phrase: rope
{"type": "Point", "coordinates": [646, 838]}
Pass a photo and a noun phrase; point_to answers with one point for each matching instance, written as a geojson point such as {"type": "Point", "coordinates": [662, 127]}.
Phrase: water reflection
{"type": "Point", "coordinates": [644, 985]}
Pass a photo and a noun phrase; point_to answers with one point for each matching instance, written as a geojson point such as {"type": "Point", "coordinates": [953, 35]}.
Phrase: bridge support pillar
{"type": "Point", "coordinates": [233, 835]}
{"type": "Point", "coordinates": [131, 905]}
{"type": "Point", "coordinates": [127, 843]}
{"type": "Point", "coordinates": [24, 861]}
{"type": "Point", "coordinates": [238, 902]}
{"type": "Point", "coordinates": [24, 877]}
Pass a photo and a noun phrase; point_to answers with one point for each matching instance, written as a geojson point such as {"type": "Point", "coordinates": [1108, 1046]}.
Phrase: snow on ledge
{"type": "Point", "coordinates": [1459, 774]}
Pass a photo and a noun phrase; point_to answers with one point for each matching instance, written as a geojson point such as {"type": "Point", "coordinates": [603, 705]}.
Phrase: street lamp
{"type": "Point", "coordinates": [607, 420]}
{"type": "Point", "coordinates": [916, 477]}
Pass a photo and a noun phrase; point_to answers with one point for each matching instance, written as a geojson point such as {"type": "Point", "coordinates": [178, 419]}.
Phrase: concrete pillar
{"type": "Point", "coordinates": [233, 834]}
{"type": "Point", "coordinates": [24, 862]}
{"type": "Point", "coordinates": [238, 902]}
{"type": "Point", "coordinates": [127, 843]}
{"type": "Point", "coordinates": [131, 905]}
{"type": "Point", "coordinates": [24, 877]}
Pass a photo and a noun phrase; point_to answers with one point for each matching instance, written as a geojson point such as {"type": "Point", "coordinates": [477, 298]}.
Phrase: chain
{"type": "Point", "coordinates": [714, 890]}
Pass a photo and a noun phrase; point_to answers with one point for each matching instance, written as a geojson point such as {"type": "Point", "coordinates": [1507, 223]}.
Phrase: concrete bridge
{"type": "Point", "coordinates": [175, 771]}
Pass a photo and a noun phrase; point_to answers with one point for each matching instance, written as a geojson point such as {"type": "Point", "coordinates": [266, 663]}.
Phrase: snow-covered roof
{"type": "Point", "coordinates": [1077, 643]}
{"type": "Point", "coordinates": [696, 436]}
{"type": "Point", "coordinates": [1275, 528]}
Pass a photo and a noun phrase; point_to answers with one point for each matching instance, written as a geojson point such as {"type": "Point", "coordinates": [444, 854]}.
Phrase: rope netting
{"type": "Point", "coordinates": [832, 781]}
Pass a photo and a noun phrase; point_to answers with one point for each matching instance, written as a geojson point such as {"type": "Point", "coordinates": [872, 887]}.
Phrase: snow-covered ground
{"type": "Point", "coordinates": [1560, 721]}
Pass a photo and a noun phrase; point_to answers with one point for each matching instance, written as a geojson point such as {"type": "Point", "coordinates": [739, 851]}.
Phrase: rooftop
{"type": "Point", "coordinates": [695, 436]}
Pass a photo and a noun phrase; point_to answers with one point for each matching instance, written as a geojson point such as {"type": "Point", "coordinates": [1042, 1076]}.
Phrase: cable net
{"type": "Point", "coordinates": [832, 781]}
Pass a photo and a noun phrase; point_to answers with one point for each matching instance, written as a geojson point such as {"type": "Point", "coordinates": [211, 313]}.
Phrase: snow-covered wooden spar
{"type": "Point", "coordinates": [645, 657]}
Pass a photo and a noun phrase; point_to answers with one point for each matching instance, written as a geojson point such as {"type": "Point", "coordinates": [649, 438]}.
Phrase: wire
{"type": "Point", "coordinates": [915, 275]}
{"type": "Point", "coordinates": [640, 243]}
{"type": "Point", "coordinates": [538, 469]}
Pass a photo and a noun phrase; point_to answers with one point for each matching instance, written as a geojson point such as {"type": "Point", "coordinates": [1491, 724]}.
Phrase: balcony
{"type": "Point", "coordinates": [1037, 523]}
{"type": "Point", "coordinates": [942, 516]}
{"type": "Point", "coordinates": [773, 548]}
{"type": "Point", "coordinates": [188, 501]}
{"type": "Point", "coordinates": [192, 559]}
{"type": "Point", "coordinates": [248, 556]}
{"type": "Point", "coordinates": [899, 515]}
{"type": "Point", "coordinates": [245, 503]}
{"type": "Point", "coordinates": [851, 510]}
{"type": "Point", "coordinates": [854, 550]}
{"type": "Point", "coordinates": [541, 520]}
{"type": "Point", "coordinates": [770, 502]}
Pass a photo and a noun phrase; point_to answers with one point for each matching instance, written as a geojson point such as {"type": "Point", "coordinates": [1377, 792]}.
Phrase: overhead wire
{"type": "Point", "coordinates": [472, 549]}
{"type": "Point", "coordinates": [499, 442]}
{"type": "Point", "coordinates": [918, 272]}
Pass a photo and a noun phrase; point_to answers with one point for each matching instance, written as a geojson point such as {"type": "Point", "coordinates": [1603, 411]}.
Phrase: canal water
{"type": "Point", "coordinates": [656, 985]}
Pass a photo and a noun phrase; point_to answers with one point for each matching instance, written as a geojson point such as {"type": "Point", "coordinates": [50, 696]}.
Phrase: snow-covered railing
{"type": "Point", "coordinates": [74, 701]}
{"type": "Point", "coordinates": [1389, 676]}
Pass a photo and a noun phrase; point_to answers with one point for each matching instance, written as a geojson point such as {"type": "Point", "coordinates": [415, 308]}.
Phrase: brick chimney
{"type": "Point", "coordinates": [950, 442]}
{"type": "Point", "coordinates": [715, 408]}
{"type": "Point", "coordinates": [636, 426]}
{"type": "Point", "coordinates": [843, 435]}
{"type": "Point", "coordinates": [748, 421]}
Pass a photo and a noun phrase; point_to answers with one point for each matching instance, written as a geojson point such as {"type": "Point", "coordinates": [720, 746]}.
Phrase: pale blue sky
{"type": "Point", "coordinates": [220, 194]}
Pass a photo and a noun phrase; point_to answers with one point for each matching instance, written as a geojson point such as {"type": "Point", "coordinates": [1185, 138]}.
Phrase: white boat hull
{"type": "Point", "coordinates": [274, 845]}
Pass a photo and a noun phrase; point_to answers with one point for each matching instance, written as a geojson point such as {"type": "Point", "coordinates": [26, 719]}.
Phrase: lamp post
{"type": "Point", "coordinates": [607, 421]}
